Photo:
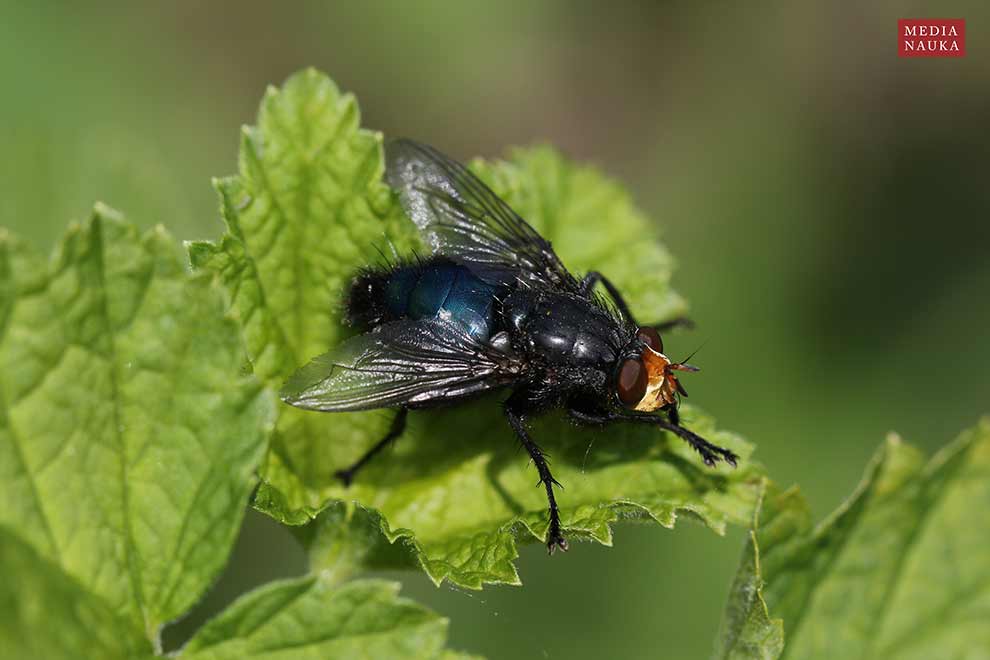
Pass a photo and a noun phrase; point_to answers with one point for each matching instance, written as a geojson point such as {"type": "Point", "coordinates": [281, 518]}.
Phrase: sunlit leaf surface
{"type": "Point", "coordinates": [128, 430]}
{"type": "Point", "coordinates": [899, 571]}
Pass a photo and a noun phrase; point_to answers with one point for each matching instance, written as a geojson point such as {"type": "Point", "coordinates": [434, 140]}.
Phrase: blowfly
{"type": "Point", "coordinates": [491, 307]}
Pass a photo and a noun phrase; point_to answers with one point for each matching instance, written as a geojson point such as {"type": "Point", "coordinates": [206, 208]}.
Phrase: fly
{"type": "Point", "coordinates": [492, 307]}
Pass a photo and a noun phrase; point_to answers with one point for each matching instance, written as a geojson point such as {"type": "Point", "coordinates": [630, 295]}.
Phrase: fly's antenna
{"type": "Point", "coordinates": [695, 351]}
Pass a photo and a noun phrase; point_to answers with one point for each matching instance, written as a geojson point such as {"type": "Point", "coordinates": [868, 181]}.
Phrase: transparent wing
{"type": "Point", "coordinates": [464, 220]}
{"type": "Point", "coordinates": [400, 363]}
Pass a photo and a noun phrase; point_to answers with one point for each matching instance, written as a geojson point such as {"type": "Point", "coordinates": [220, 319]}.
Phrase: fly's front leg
{"type": "Point", "coordinates": [587, 418]}
{"type": "Point", "coordinates": [394, 431]}
{"type": "Point", "coordinates": [555, 538]}
{"type": "Point", "coordinates": [710, 453]}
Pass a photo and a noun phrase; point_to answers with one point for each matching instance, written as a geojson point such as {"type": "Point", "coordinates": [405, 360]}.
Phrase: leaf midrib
{"type": "Point", "coordinates": [130, 549]}
{"type": "Point", "coordinates": [248, 252]}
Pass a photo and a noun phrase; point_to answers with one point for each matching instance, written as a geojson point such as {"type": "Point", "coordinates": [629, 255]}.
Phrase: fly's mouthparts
{"type": "Point", "coordinates": [684, 366]}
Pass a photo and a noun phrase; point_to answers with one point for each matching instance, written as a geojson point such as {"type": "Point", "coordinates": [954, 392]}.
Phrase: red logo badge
{"type": "Point", "coordinates": [931, 37]}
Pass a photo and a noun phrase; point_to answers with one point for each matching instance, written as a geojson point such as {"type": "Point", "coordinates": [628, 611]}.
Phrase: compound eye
{"type": "Point", "coordinates": [651, 338]}
{"type": "Point", "coordinates": [632, 381]}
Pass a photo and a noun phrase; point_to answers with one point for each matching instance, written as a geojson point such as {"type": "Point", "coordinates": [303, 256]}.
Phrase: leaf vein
{"type": "Point", "coordinates": [130, 549]}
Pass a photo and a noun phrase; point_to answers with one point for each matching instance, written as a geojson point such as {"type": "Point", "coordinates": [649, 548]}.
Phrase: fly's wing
{"type": "Point", "coordinates": [464, 220]}
{"type": "Point", "coordinates": [400, 363]}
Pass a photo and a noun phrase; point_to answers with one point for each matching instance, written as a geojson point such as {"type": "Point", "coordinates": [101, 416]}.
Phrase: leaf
{"type": "Point", "coordinates": [307, 208]}
{"type": "Point", "coordinates": [747, 631]}
{"type": "Point", "coordinates": [48, 615]}
{"type": "Point", "coordinates": [304, 214]}
{"type": "Point", "coordinates": [311, 618]}
{"type": "Point", "coordinates": [128, 434]}
{"type": "Point", "coordinates": [898, 571]}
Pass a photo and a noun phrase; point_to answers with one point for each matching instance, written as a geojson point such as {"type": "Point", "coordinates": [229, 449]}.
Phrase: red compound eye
{"type": "Point", "coordinates": [651, 338]}
{"type": "Point", "coordinates": [631, 383]}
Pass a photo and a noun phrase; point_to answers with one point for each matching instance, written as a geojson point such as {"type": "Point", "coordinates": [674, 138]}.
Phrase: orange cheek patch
{"type": "Point", "coordinates": [659, 389]}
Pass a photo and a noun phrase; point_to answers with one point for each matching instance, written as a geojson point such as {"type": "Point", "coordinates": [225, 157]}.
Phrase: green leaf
{"type": "Point", "coordinates": [307, 210]}
{"type": "Point", "coordinates": [747, 631]}
{"type": "Point", "coordinates": [46, 614]}
{"type": "Point", "coordinates": [898, 571]}
{"type": "Point", "coordinates": [128, 431]}
{"type": "Point", "coordinates": [311, 618]}
{"type": "Point", "coordinates": [460, 509]}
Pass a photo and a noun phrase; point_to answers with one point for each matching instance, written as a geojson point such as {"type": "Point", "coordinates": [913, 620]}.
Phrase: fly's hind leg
{"type": "Point", "coordinates": [394, 431]}
{"type": "Point", "coordinates": [679, 322]}
{"type": "Point", "coordinates": [594, 277]}
{"type": "Point", "coordinates": [555, 538]}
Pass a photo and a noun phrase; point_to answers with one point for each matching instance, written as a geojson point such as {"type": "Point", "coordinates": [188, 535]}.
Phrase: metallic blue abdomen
{"type": "Point", "coordinates": [443, 290]}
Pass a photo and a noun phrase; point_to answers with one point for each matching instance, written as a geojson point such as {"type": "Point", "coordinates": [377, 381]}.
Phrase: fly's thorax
{"type": "Point", "coordinates": [562, 329]}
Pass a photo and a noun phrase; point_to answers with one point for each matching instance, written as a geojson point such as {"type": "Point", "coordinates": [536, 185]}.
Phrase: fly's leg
{"type": "Point", "coordinates": [710, 453]}
{"type": "Point", "coordinates": [588, 418]}
{"type": "Point", "coordinates": [555, 539]}
{"type": "Point", "coordinates": [394, 431]}
{"type": "Point", "coordinates": [594, 277]}
{"type": "Point", "coordinates": [679, 322]}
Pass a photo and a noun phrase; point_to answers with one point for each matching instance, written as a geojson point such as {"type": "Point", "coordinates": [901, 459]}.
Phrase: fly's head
{"type": "Point", "coordinates": [644, 377]}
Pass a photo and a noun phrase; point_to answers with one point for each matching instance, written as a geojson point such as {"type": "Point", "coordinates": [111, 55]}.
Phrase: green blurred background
{"type": "Point", "coordinates": [828, 204]}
